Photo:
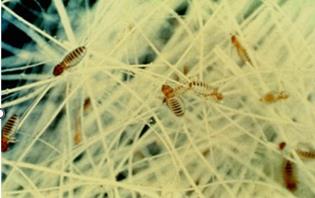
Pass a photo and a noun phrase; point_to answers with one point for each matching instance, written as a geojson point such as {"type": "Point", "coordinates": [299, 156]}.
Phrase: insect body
{"type": "Point", "coordinates": [77, 138]}
{"type": "Point", "coordinates": [77, 135]}
{"type": "Point", "coordinates": [173, 99]}
{"type": "Point", "coordinates": [306, 154]}
{"type": "Point", "coordinates": [289, 176]}
{"type": "Point", "coordinates": [272, 97]}
{"type": "Point", "coordinates": [199, 87]}
{"type": "Point", "coordinates": [8, 133]}
{"type": "Point", "coordinates": [241, 51]}
{"type": "Point", "coordinates": [71, 59]}
{"type": "Point", "coordinates": [205, 90]}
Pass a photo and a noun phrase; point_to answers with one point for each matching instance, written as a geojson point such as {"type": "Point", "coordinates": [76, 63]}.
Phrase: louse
{"type": "Point", "coordinates": [8, 132]}
{"type": "Point", "coordinates": [71, 59]}
{"type": "Point", "coordinates": [272, 97]}
{"type": "Point", "coordinates": [241, 51]}
{"type": "Point", "coordinates": [203, 89]}
{"type": "Point", "coordinates": [77, 138]}
{"type": "Point", "coordinates": [289, 176]}
{"type": "Point", "coordinates": [306, 154]}
{"type": "Point", "coordinates": [173, 100]}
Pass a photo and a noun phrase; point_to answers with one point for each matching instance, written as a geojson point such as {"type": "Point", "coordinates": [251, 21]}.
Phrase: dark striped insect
{"type": "Point", "coordinates": [71, 59]}
{"type": "Point", "coordinates": [173, 100]}
{"type": "Point", "coordinates": [241, 51]}
{"type": "Point", "coordinates": [289, 176]}
{"type": "Point", "coordinates": [8, 132]}
{"type": "Point", "coordinates": [306, 154]}
{"type": "Point", "coordinates": [203, 89]}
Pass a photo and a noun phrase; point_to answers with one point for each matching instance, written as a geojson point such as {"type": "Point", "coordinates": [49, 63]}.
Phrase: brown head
{"type": "Point", "coordinates": [291, 185]}
{"type": "Point", "coordinates": [4, 144]}
{"type": "Point", "coordinates": [282, 145]}
{"type": "Point", "coordinates": [167, 90]}
{"type": "Point", "coordinates": [268, 98]}
{"type": "Point", "coordinates": [58, 69]}
{"type": "Point", "coordinates": [87, 103]}
{"type": "Point", "coordinates": [234, 39]}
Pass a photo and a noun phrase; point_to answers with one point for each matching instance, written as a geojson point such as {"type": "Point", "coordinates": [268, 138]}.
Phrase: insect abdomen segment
{"type": "Point", "coordinates": [175, 105]}
{"type": "Point", "coordinates": [289, 176]}
{"type": "Point", "coordinates": [8, 133]}
{"type": "Point", "coordinates": [75, 56]}
{"type": "Point", "coordinates": [306, 154]}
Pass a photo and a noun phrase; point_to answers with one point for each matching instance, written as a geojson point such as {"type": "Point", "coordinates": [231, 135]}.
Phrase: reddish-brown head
{"type": "Point", "coordinates": [219, 96]}
{"type": "Point", "coordinates": [87, 103]}
{"type": "Point", "coordinates": [282, 145]}
{"type": "Point", "coordinates": [291, 185]}
{"type": "Point", "coordinates": [234, 39]}
{"type": "Point", "coordinates": [167, 90]}
{"type": "Point", "coordinates": [4, 145]}
{"type": "Point", "coordinates": [58, 69]}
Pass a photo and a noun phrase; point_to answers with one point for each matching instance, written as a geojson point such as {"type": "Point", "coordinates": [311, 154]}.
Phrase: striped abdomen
{"type": "Point", "coordinates": [289, 176]}
{"type": "Point", "coordinates": [8, 133]}
{"type": "Point", "coordinates": [175, 104]}
{"type": "Point", "coordinates": [205, 90]}
{"type": "Point", "coordinates": [306, 154]}
{"type": "Point", "coordinates": [74, 57]}
{"type": "Point", "coordinates": [200, 88]}
{"type": "Point", "coordinates": [244, 55]}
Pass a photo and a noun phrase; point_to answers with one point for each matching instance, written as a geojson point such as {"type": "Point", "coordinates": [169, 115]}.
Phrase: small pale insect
{"type": "Point", "coordinates": [289, 176]}
{"type": "Point", "coordinates": [203, 89]}
{"type": "Point", "coordinates": [71, 59]}
{"type": "Point", "coordinates": [241, 51]}
{"type": "Point", "coordinates": [200, 87]}
{"type": "Point", "coordinates": [216, 95]}
{"type": "Point", "coordinates": [77, 136]}
{"type": "Point", "coordinates": [272, 97]}
{"type": "Point", "coordinates": [173, 100]}
{"type": "Point", "coordinates": [8, 133]}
